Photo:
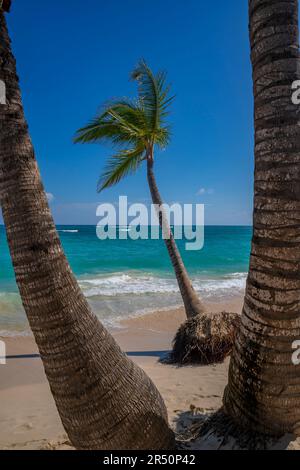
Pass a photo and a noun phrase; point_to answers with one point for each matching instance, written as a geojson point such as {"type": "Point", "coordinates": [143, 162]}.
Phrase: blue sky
{"type": "Point", "coordinates": [72, 56]}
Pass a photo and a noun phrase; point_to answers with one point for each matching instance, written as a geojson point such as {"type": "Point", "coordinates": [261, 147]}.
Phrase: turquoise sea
{"type": "Point", "coordinates": [122, 278]}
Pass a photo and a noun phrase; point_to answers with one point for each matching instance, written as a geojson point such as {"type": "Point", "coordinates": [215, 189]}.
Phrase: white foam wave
{"type": "Point", "coordinates": [69, 231]}
{"type": "Point", "coordinates": [125, 284]}
{"type": "Point", "coordinates": [118, 284]}
{"type": "Point", "coordinates": [122, 295]}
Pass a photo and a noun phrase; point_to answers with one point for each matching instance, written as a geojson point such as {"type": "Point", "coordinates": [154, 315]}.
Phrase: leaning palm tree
{"type": "Point", "coordinates": [104, 400]}
{"type": "Point", "coordinates": [138, 128]}
{"type": "Point", "coordinates": [264, 385]}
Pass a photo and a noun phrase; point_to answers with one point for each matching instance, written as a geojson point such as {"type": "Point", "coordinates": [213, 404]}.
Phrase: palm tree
{"type": "Point", "coordinates": [264, 385]}
{"type": "Point", "coordinates": [105, 401]}
{"type": "Point", "coordinates": [138, 128]}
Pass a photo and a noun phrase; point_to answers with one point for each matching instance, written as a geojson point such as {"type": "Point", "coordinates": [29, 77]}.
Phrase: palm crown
{"type": "Point", "coordinates": [134, 127]}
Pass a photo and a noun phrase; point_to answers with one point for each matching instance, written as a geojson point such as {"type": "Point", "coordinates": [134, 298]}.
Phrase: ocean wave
{"type": "Point", "coordinates": [122, 295]}
{"type": "Point", "coordinates": [117, 284]}
{"type": "Point", "coordinates": [121, 284]}
{"type": "Point", "coordinates": [69, 231]}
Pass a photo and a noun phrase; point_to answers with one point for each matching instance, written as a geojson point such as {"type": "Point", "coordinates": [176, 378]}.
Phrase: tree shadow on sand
{"type": "Point", "coordinates": [159, 354]}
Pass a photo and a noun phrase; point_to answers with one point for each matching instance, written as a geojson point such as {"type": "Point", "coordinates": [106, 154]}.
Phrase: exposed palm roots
{"type": "Point", "coordinates": [218, 431]}
{"type": "Point", "coordinates": [205, 339]}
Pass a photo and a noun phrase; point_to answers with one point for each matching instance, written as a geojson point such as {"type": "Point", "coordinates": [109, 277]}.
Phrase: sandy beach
{"type": "Point", "coordinates": [28, 415]}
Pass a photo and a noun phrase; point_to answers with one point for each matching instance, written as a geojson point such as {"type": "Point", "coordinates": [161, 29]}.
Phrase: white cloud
{"type": "Point", "coordinates": [50, 197]}
{"type": "Point", "coordinates": [203, 191]}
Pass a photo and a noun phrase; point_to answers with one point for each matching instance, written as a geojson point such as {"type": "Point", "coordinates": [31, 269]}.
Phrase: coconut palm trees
{"type": "Point", "coordinates": [264, 385]}
{"type": "Point", "coordinates": [105, 401]}
{"type": "Point", "coordinates": [138, 128]}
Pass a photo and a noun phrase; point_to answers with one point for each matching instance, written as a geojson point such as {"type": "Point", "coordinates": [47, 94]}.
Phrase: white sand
{"type": "Point", "coordinates": [29, 419]}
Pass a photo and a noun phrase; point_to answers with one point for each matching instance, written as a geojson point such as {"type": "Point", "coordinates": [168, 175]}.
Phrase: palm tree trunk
{"type": "Point", "coordinates": [264, 386]}
{"type": "Point", "coordinates": [105, 401]}
{"type": "Point", "coordinates": [193, 305]}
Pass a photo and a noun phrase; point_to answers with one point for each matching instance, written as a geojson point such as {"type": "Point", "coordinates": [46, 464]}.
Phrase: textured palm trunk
{"type": "Point", "coordinates": [104, 400]}
{"type": "Point", "coordinates": [193, 305]}
{"type": "Point", "coordinates": [264, 386]}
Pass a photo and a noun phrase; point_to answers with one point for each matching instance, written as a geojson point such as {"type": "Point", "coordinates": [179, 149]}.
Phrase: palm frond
{"type": "Point", "coordinates": [120, 122]}
{"type": "Point", "coordinates": [153, 94]}
{"type": "Point", "coordinates": [120, 165]}
{"type": "Point", "coordinates": [135, 127]}
{"type": "Point", "coordinates": [163, 137]}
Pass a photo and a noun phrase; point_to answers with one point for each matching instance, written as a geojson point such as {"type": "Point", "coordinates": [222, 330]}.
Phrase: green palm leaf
{"type": "Point", "coordinates": [153, 94]}
{"type": "Point", "coordinates": [120, 165]}
{"type": "Point", "coordinates": [135, 127]}
{"type": "Point", "coordinates": [120, 122]}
